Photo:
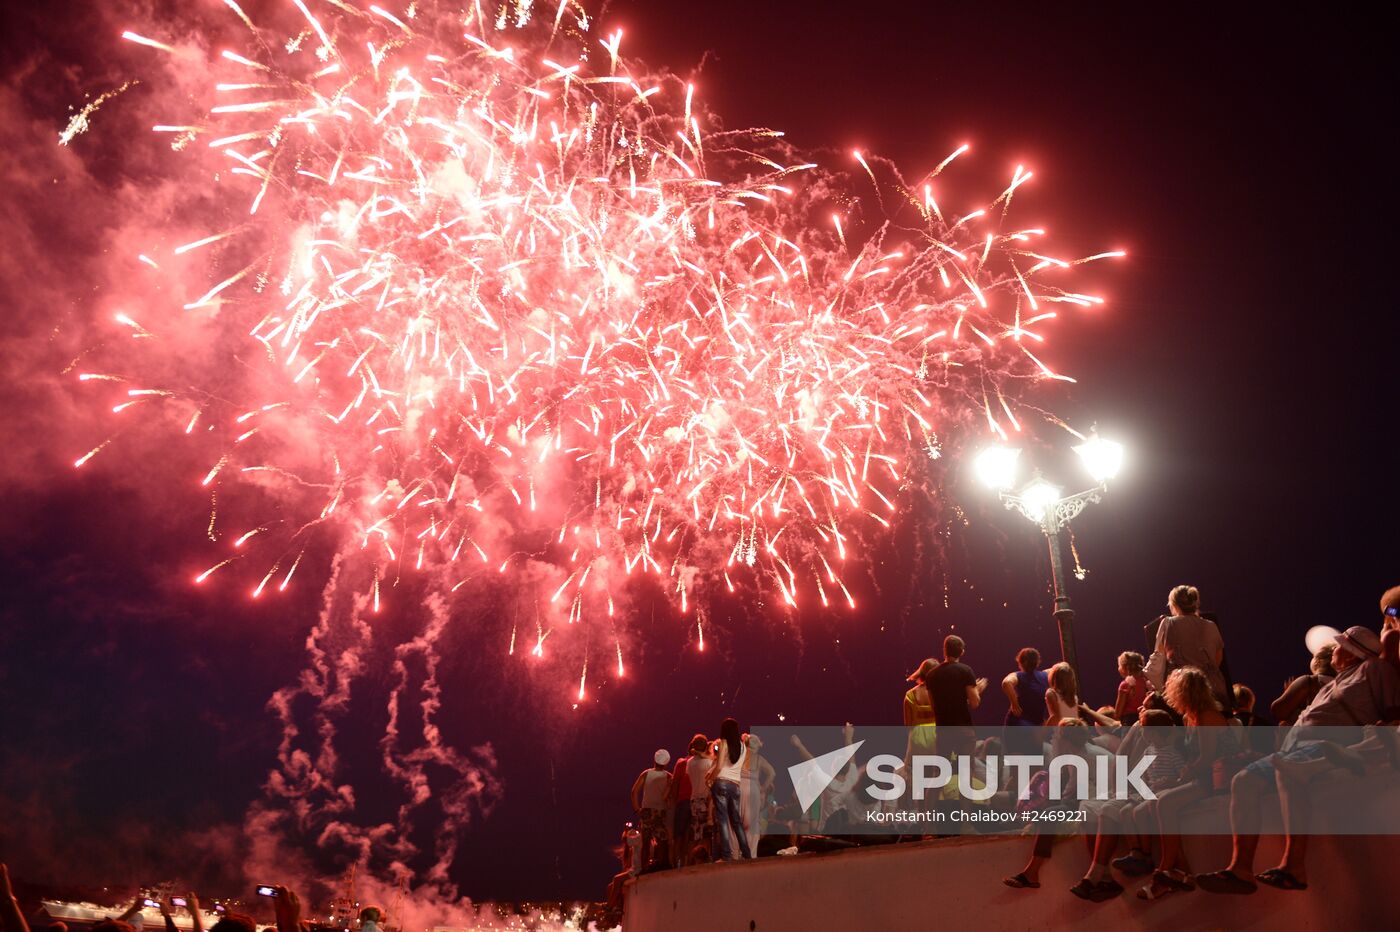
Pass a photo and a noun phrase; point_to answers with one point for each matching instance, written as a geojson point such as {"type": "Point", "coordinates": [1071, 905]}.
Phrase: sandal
{"type": "Point", "coordinates": [1225, 882]}
{"type": "Point", "coordinates": [1106, 890]}
{"type": "Point", "coordinates": [1134, 864]}
{"type": "Point", "coordinates": [1021, 882]}
{"type": "Point", "coordinates": [1177, 878]}
{"type": "Point", "coordinates": [1164, 883]}
{"type": "Point", "coordinates": [1084, 889]}
{"type": "Point", "coordinates": [1155, 890]}
{"type": "Point", "coordinates": [1280, 879]}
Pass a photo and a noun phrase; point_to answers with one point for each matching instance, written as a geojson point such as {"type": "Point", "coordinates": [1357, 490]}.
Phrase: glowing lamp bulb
{"type": "Point", "coordinates": [1039, 497]}
{"type": "Point", "coordinates": [1319, 636]}
{"type": "Point", "coordinates": [1102, 458]}
{"type": "Point", "coordinates": [996, 466]}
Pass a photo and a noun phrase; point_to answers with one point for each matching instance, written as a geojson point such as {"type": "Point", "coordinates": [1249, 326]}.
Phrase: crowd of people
{"type": "Point", "coordinates": [1207, 739]}
{"type": "Point", "coordinates": [287, 908]}
{"type": "Point", "coordinates": [1178, 704]}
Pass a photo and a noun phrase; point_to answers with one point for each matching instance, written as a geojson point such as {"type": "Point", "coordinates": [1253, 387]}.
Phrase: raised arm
{"type": "Point", "coordinates": [1008, 687]}
{"type": "Point", "coordinates": [1286, 707]}
{"type": "Point", "coordinates": [718, 761]}
{"type": "Point", "coordinates": [287, 906]}
{"type": "Point", "coordinates": [135, 907]}
{"type": "Point", "coordinates": [974, 693]}
{"type": "Point", "coordinates": [196, 917]}
{"type": "Point", "coordinates": [1104, 720]}
{"type": "Point", "coordinates": [11, 919]}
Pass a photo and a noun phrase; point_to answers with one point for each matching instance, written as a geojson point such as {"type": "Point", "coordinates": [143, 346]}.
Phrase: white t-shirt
{"type": "Point", "coordinates": [730, 770]}
{"type": "Point", "coordinates": [654, 788]}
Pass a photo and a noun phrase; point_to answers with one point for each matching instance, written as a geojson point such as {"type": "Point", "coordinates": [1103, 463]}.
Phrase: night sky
{"type": "Point", "coordinates": [1247, 356]}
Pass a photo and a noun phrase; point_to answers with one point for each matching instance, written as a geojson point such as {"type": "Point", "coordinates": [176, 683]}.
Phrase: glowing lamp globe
{"type": "Point", "coordinates": [1102, 458]}
{"type": "Point", "coordinates": [1319, 636]}
{"type": "Point", "coordinates": [1039, 497]}
{"type": "Point", "coordinates": [996, 467]}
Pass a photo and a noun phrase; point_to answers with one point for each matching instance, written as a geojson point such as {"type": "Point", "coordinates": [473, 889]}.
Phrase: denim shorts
{"type": "Point", "coordinates": [1264, 767]}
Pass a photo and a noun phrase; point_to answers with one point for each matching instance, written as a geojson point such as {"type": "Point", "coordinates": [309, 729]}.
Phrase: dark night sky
{"type": "Point", "coordinates": [1247, 356]}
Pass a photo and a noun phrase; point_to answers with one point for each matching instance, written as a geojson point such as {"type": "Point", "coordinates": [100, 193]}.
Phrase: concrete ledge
{"type": "Point", "coordinates": [958, 881]}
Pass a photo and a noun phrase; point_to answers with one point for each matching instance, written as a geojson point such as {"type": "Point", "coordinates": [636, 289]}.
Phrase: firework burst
{"type": "Point", "coordinates": [497, 296]}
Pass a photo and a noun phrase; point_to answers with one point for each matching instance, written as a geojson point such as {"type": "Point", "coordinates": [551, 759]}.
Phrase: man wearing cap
{"type": "Point", "coordinates": [1364, 691]}
{"type": "Point", "coordinates": [649, 796]}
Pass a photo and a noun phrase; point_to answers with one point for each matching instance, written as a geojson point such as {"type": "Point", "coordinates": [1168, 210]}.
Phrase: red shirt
{"type": "Point", "coordinates": [682, 777]}
{"type": "Point", "coordinates": [1135, 689]}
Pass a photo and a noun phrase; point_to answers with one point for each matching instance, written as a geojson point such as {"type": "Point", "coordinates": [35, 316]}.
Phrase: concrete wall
{"type": "Point", "coordinates": [957, 883]}
{"type": "Point", "coordinates": [1353, 881]}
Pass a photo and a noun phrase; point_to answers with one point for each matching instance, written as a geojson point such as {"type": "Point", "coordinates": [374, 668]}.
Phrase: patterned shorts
{"type": "Point", "coordinates": [654, 822]}
{"type": "Point", "coordinates": [699, 818]}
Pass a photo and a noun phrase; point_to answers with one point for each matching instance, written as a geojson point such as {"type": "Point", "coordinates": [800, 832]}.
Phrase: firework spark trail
{"type": "Point", "coordinates": [79, 122]}
{"type": "Point", "coordinates": [502, 267]}
{"type": "Point", "coordinates": [498, 307]}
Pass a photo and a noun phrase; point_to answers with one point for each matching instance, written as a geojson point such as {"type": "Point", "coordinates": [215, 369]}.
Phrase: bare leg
{"type": "Point", "coordinates": [1295, 857]}
{"type": "Point", "coordinates": [1245, 792]}
{"type": "Point", "coordinates": [1040, 853]}
{"type": "Point", "coordinates": [1169, 807]}
{"type": "Point", "coordinates": [1293, 802]}
{"type": "Point", "coordinates": [1145, 821]}
{"type": "Point", "coordinates": [1105, 844]}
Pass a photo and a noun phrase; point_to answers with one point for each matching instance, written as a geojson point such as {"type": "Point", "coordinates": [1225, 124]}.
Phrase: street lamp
{"type": "Point", "coordinates": [1044, 505]}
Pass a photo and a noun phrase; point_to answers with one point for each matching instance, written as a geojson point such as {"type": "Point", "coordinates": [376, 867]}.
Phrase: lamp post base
{"type": "Point", "coordinates": [1064, 617]}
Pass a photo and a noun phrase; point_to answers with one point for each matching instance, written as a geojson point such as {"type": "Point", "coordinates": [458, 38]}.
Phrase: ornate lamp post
{"type": "Point", "coordinates": [1043, 504]}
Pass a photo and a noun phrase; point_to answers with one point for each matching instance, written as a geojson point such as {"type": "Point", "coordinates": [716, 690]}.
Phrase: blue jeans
{"type": "Point", "coordinates": [1264, 766]}
{"type": "Point", "coordinates": [726, 796]}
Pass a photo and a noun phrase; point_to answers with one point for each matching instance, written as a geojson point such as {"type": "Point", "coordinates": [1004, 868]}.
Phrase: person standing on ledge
{"type": "Point", "coordinates": [650, 793]}
{"type": "Point", "coordinates": [723, 778]}
{"type": "Point", "coordinates": [1185, 639]}
{"type": "Point", "coordinates": [918, 712]}
{"type": "Point", "coordinates": [1025, 695]}
{"type": "Point", "coordinates": [955, 691]}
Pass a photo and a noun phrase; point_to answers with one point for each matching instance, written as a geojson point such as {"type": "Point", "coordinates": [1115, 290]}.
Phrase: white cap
{"type": "Point", "coordinates": [662, 757]}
